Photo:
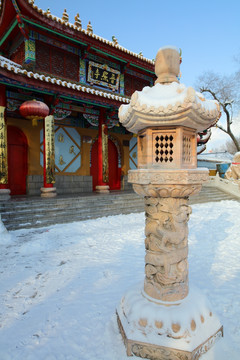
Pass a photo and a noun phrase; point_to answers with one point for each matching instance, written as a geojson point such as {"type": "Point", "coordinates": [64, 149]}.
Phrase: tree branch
{"type": "Point", "coordinates": [221, 128]}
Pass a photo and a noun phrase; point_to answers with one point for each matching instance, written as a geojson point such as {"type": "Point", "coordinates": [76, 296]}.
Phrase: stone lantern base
{"type": "Point", "coordinates": [48, 192]}
{"type": "Point", "coordinates": [102, 189]}
{"type": "Point", "coordinates": [157, 330]}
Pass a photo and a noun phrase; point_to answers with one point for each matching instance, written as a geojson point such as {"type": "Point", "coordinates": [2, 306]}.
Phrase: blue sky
{"type": "Point", "coordinates": [207, 31]}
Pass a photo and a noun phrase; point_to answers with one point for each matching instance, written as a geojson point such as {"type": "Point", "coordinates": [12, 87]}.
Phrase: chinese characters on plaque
{"type": "Point", "coordinates": [3, 148]}
{"type": "Point", "coordinates": [103, 75]}
{"type": "Point", "coordinates": [50, 149]}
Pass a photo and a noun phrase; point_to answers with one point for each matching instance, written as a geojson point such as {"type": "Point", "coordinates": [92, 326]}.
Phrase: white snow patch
{"type": "Point", "coordinates": [5, 237]}
{"type": "Point", "coordinates": [60, 285]}
{"type": "Point", "coordinates": [171, 94]}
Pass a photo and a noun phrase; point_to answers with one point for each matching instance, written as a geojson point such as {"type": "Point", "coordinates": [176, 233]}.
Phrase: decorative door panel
{"type": "Point", "coordinates": [67, 150]}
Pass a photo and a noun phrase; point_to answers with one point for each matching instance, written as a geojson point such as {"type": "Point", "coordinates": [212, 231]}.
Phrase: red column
{"type": "Point", "coordinates": [3, 102]}
{"type": "Point", "coordinates": [3, 99]}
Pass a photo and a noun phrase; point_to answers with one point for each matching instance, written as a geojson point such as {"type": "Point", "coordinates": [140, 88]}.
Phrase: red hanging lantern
{"type": "Point", "coordinates": [34, 110]}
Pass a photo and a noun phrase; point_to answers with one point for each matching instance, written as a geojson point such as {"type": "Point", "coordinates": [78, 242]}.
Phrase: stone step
{"type": "Point", "coordinates": [20, 213]}
{"type": "Point", "coordinates": [210, 194]}
{"type": "Point", "coordinates": [42, 222]}
{"type": "Point", "coordinates": [63, 203]}
{"type": "Point", "coordinates": [71, 210]}
{"type": "Point", "coordinates": [70, 206]}
{"type": "Point", "coordinates": [30, 213]}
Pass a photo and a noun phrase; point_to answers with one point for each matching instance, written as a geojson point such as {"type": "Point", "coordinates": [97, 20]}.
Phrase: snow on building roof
{"type": "Point", "coordinates": [18, 69]}
{"type": "Point", "coordinates": [221, 156]}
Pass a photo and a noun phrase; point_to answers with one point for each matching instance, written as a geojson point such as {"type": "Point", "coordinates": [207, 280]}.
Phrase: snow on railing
{"type": "Point", "coordinates": [225, 185]}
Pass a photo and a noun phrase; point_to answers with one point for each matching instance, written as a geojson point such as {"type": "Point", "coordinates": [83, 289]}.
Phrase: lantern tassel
{"type": "Point", "coordinates": [35, 121]}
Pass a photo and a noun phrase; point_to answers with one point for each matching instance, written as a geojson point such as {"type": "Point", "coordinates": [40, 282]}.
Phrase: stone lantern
{"type": "Point", "coordinates": [164, 319]}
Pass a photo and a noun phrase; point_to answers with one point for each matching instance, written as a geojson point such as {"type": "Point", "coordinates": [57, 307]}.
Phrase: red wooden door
{"type": "Point", "coordinates": [114, 172]}
{"type": "Point", "coordinates": [17, 160]}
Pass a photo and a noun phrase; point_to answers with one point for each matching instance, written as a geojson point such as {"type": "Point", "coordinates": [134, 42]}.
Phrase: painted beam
{"type": "Point", "coordinates": [11, 28]}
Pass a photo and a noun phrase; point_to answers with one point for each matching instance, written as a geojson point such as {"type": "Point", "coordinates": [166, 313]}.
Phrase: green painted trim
{"type": "Point", "coordinates": [54, 32]}
{"type": "Point", "coordinates": [23, 87]}
{"type": "Point", "coordinates": [71, 39]}
{"type": "Point", "coordinates": [85, 102]}
{"type": "Point", "coordinates": [8, 32]}
{"type": "Point", "coordinates": [51, 93]}
{"type": "Point", "coordinates": [112, 56]}
{"type": "Point", "coordinates": [139, 67]}
{"type": "Point", "coordinates": [79, 42]}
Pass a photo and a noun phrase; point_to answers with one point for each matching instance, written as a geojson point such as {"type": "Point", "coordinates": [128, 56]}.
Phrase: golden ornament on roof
{"type": "Point", "coordinates": [65, 16]}
{"type": "Point", "coordinates": [114, 39]}
{"type": "Point", "coordinates": [89, 28]}
{"type": "Point", "coordinates": [78, 22]}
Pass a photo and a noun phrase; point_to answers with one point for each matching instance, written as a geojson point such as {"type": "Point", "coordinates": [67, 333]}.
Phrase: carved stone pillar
{"type": "Point", "coordinates": [167, 213]}
{"type": "Point", "coordinates": [166, 264]}
{"type": "Point", "coordinates": [165, 319]}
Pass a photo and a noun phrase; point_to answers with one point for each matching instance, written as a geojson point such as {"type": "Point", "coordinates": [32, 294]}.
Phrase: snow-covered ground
{"type": "Point", "coordinates": [60, 285]}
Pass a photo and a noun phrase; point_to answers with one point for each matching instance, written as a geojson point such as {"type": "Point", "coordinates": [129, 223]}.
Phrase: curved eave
{"type": "Point", "coordinates": [205, 138]}
{"type": "Point", "coordinates": [52, 23]}
{"type": "Point", "coordinates": [47, 84]}
{"type": "Point", "coordinates": [201, 148]}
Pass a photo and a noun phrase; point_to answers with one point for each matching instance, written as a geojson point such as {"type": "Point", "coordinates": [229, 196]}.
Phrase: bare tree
{"type": "Point", "coordinates": [224, 89]}
{"type": "Point", "coordinates": [229, 146]}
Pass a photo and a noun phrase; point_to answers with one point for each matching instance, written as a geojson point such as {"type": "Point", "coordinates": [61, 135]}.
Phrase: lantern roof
{"type": "Point", "coordinates": [168, 105]}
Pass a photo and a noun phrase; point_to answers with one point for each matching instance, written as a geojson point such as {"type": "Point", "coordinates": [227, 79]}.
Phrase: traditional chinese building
{"type": "Point", "coordinates": [82, 79]}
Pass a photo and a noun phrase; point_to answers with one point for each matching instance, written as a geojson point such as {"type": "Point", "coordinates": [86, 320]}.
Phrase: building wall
{"type": "Point", "coordinates": [67, 182]}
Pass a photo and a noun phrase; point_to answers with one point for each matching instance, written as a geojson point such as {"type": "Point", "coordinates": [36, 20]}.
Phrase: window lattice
{"type": "Point", "coordinates": [187, 149]}
{"type": "Point", "coordinates": [163, 148]}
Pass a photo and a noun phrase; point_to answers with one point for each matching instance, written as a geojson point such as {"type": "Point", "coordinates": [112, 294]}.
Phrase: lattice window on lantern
{"type": "Point", "coordinates": [163, 148]}
{"type": "Point", "coordinates": [187, 149]}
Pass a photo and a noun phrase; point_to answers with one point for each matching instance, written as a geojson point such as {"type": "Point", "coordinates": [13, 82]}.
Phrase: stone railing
{"type": "Point", "coordinates": [225, 185]}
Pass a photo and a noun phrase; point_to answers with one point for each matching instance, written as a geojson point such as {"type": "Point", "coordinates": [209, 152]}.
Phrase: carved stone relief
{"type": "Point", "coordinates": [166, 191]}
{"type": "Point", "coordinates": [167, 177]}
{"type": "Point", "coordinates": [156, 353]}
{"type": "Point", "coordinates": [166, 233]}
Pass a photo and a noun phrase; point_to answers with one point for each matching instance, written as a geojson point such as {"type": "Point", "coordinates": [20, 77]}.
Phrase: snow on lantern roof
{"type": "Point", "coordinates": [17, 69]}
{"type": "Point", "coordinates": [168, 105]}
